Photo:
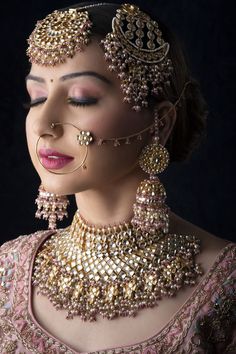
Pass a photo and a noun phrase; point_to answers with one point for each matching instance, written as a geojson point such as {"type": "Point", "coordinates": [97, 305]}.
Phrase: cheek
{"type": "Point", "coordinates": [29, 135]}
{"type": "Point", "coordinates": [107, 163]}
{"type": "Point", "coordinates": [114, 120]}
{"type": "Point", "coordinates": [31, 140]}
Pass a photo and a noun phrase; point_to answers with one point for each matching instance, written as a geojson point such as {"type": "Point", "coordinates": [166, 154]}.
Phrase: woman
{"type": "Point", "coordinates": [111, 103]}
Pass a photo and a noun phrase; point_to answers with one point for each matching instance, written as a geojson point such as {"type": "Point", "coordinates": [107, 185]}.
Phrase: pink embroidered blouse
{"type": "Point", "coordinates": [206, 323]}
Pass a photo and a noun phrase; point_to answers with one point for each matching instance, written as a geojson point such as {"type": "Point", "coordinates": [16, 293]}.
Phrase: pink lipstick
{"type": "Point", "coordinates": [54, 160]}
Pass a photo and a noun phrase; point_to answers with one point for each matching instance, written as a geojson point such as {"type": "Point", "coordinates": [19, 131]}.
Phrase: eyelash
{"type": "Point", "coordinates": [72, 101]}
{"type": "Point", "coordinates": [34, 103]}
{"type": "Point", "coordinates": [82, 102]}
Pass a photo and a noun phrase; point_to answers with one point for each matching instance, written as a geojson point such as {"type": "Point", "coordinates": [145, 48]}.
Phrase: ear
{"type": "Point", "coordinates": [167, 118]}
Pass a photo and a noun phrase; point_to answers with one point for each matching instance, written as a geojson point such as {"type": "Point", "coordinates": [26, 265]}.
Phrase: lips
{"type": "Point", "coordinates": [54, 160]}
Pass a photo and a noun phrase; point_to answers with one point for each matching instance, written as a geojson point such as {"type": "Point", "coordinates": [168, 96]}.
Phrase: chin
{"type": "Point", "coordinates": [63, 184]}
{"type": "Point", "coordinates": [55, 187]}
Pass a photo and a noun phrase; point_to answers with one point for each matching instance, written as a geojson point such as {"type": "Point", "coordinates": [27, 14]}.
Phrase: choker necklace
{"type": "Point", "coordinates": [114, 270]}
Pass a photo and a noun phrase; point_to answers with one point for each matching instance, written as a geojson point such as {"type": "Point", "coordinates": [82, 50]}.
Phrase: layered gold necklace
{"type": "Point", "coordinates": [112, 271]}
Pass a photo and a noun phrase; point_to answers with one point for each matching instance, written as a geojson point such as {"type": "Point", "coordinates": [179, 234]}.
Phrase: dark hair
{"type": "Point", "coordinates": [190, 124]}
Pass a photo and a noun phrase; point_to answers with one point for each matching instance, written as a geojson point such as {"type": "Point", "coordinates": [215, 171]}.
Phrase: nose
{"type": "Point", "coordinates": [44, 123]}
{"type": "Point", "coordinates": [50, 129]}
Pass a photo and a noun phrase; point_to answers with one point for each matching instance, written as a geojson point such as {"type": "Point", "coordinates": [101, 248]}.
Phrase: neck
{"type": "Point", "coordinates": [111, 204]}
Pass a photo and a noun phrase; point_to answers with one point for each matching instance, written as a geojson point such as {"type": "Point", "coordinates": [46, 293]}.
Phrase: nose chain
{"type": "Point", "coordinates": [85, 138]}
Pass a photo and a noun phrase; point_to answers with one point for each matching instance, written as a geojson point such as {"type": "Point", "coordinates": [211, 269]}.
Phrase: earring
{"type": "Point", "coordinates": [151, 214]}
{"type": "Point", "coordinates": [51, 207]}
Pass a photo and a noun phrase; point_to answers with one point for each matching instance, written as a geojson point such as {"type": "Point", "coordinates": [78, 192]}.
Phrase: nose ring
{"type": "Point", "coordinates": [84, 138]}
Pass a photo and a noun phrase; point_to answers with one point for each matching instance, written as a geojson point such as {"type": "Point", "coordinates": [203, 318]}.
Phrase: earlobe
{"type": "Point", "coordinates": [167, 117]}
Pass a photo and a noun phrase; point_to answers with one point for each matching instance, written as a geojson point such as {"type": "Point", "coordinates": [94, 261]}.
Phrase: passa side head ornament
{"type": "Point", "coordinates": [136, 50]}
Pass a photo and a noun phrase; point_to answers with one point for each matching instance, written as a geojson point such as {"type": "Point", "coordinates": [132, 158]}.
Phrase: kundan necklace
{"type": "Point", "coordinates": [112, 271]}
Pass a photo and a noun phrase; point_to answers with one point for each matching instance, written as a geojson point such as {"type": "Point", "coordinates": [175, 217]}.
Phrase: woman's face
{"type": "Point", "coordinates": [82, 92]}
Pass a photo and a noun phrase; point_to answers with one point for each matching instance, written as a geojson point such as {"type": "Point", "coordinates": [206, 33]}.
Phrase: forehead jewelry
{"type": "Point", "coordinates": [59, 36]}
{"type": "Point", "coordinates": [84, 138]}
{"type": "Point", "coordinates": [136, 50]}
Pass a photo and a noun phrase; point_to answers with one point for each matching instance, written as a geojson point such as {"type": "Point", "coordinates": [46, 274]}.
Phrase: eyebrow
{"type": "Point", "coordinates": [71, 76]}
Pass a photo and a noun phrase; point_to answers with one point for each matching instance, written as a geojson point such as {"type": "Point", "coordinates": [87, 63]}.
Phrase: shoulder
{"type": "Point", "coordinates": [19, 248]}
{"type": "Point", "coordinates": [214, 305]}
{"type": "Point", "coordinates": [209, 242]}
{"type": "Point", "coordinates": [217, 256]}
{"type": "Point", "coordinates": [212, 247]}
{"type": "Point", "coordinates": [19, 241]}
{"type": "Point", "coordinates": [15, 258]}
{"type": "Point", "coordinates": [215, 323]}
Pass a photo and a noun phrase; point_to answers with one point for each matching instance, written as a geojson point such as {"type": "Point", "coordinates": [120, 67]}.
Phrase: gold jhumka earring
{"type": "Point", "coordinates": [150, 211]}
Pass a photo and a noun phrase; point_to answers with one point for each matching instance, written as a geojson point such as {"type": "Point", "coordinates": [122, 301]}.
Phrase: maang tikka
{"type": "Point", "coordinates": [58, 37]}
{"type": "Point", "coordinates": [151, 214]}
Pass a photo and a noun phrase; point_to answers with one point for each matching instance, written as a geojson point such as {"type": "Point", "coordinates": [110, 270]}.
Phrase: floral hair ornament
{"type": "Point", "coordinates": [59, 36]}
{"type": "Point", "coordinates": [138, 53]}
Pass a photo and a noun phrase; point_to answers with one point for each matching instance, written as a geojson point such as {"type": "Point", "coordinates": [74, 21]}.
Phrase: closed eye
{"type": "Point", "coordinates": [34, 103]}
{"type": "Point", "coordinates": [77, 102]}
{"type": "Point", "coordinates": [80, 102]}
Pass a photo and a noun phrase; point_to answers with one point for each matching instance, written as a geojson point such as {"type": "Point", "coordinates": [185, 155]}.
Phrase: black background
{"type": "Point", "coordinates": [202, 190]}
